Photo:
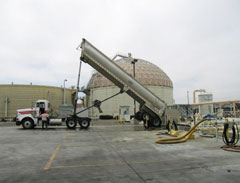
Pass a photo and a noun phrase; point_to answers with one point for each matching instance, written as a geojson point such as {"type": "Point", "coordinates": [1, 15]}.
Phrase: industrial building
{"type": "Point", "coordinates": [148, 74]}
{"type": "Point", "coordinates": [205, 106]}
{"type": "Point", "coordinates": [13, 97]}
{"type": "Point", "coordinates": [221, 108]}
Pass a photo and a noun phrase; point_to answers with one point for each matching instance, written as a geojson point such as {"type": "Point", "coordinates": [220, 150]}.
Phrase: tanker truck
{"type": "Point", "coordinates": [152, 108]}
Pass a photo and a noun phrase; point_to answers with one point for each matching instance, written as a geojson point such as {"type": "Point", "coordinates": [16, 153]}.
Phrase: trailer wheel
{"type": "Point", "coordinates": [84, 123]}
{"type": "Point", "coordinates": [27, 123]}
{"type": "Point", "coordinates": [157, 122]}
{"type": "Point", "coordinates": [138, 116]}
{"type": "Point", "coordinates": [71, 123]}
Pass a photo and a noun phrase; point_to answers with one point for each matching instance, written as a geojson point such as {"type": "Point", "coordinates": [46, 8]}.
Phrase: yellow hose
{"type": "Point", "coordinates": [182, 138]}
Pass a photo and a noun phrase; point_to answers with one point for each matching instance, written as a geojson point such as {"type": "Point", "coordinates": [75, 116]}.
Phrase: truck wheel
{"type": "Point", "coordinates": [71, 123]}
{"type": "Point", "coordinates": [84, 123]}
{"type": "Point", "coordinates": [157, 122]}
{"type": "Point", "coordinates": [27, 124]}
{"type": "Point", "coordinates": [138, 116]}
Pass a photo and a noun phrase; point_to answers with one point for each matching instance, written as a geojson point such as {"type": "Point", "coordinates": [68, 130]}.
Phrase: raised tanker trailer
{"type": "Point", "coordinates": [152, 108]}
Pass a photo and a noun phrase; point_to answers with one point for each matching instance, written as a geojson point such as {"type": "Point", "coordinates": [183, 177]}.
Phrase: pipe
{"type": "Point", "coordinates": [77, 88]}
{"type": "Point", "coordinates": [194, 94]}
{"type": "Point", "coordinates": [220, 102]}
{"type": "Point", "coordinates": [6, 107]}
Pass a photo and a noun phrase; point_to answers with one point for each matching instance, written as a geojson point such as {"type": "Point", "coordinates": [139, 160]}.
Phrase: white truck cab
{"type": "Point", "coordinates": [29, 118]}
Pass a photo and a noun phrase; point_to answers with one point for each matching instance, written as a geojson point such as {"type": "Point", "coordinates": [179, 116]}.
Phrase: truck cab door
{"type": "Point", "coordinates": [41, 108]}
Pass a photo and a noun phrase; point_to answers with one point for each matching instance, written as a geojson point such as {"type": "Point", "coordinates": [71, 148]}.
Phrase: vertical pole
{"type": "Point", "coordinates": [216, 126]}
{"type": "Point", "coordinates": [234, 110]}
{"type": "Point", "coordinates": [194, 96]}
{"type": "Point", "coordinates": [134, 102]}
{"type": "Point", "coordinates": [134, 74]}
{"type": "Point", "coordinates": [64, 92]}
{"type": "Point", "coordinates": [6, 107]}
{"type": "Point", "coordinates": [77, 88]}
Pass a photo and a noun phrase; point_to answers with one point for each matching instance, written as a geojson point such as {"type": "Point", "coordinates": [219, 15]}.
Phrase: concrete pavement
{"type": "Point", "coordinates": [110, 153]}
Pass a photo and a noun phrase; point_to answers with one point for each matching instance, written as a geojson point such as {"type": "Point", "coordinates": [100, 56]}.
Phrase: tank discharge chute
{"type": "Point", "coordinates": [152, 107]}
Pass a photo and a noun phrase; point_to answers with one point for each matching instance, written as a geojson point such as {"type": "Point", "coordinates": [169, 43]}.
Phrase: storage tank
{"type": "Point", "coordinates": [17, 96]}
{"type": "Point", "coordinates": [207, 108]}
{"type": "Point", "coordinates": [148, 74]}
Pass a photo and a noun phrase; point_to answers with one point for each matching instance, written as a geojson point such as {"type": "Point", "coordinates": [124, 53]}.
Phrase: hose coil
{"type": "Point", "coordinates": [235, 134]}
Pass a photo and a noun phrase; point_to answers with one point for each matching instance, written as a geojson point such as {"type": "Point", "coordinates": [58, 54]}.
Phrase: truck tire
{"type": "Point", "coordinates": [84, 123]}
{"type": "Point", "coordinates": [71, 123]}
{"type": "Point", "coordinates": [27, 123]}
{"type": "Point", "coordinates": [156, 122]}
{"type": "Point", "coordinates": [138, 116]}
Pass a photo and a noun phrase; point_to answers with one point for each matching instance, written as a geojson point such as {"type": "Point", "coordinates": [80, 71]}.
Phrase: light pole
{"type": "Point", "coordinates": [64, 91]}
{"type": "Point", "coordinates": [134, 74]}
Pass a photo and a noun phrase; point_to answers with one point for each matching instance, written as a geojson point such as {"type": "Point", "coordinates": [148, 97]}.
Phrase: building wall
{"type": "Point", "coordinates": [23, 96]}
{"type": "Point", "coordinates": [111, 107]}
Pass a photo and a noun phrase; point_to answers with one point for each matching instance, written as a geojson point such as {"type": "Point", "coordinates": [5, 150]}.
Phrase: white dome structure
{"type": "Point", "coordinates": [146, 73]}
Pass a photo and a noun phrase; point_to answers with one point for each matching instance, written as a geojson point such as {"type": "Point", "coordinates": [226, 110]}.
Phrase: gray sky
{"type": "Point", "coordinates": [196, 42]}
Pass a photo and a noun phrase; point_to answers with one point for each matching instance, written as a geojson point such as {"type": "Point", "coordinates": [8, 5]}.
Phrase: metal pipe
{"type": "Point", "coordinates": [77, 88]}
{"type": "Point", "coordinates": [134, 74]}
{"type": "Point", "coordinates": [194, 94]}
{"type": "Point", "coordinates": [221, 102]}
{"type": "Point", "coordinates": [6, 107]}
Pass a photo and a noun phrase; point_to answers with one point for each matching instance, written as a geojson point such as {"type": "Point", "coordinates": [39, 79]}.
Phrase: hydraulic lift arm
{"type": "Point", "coordinates": [97, 103]}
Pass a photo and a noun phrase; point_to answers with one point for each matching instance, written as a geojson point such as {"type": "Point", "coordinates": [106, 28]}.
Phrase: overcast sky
{"type": "Point", "coordinates": [196, 42]}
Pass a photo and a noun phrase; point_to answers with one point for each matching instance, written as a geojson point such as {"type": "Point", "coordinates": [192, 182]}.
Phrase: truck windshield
{"type": "Point", "coordinates": [41, 105]}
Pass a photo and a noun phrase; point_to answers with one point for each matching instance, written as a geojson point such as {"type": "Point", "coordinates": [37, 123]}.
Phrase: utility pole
{"type": "Point", "coordinates": [134, 74]}
{"type": "Point", "coordinates": [64, 91]}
